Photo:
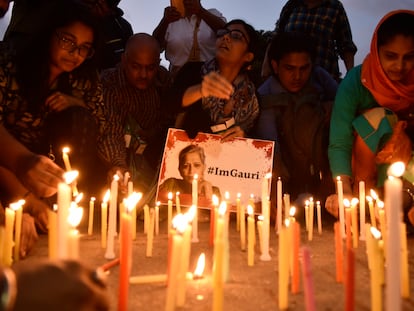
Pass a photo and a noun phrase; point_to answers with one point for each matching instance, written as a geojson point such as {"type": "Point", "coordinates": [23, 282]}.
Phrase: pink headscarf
{"type": "Point", "coordinates": [391, 94]}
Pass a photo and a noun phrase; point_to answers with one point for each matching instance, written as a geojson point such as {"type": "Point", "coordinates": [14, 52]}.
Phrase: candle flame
{"type": "Point", "coordinates": [260, 217]}
{"type": "Point", "coordinates": [287, 222]}
{"type": "Point", "coordinates": [307, 203]}
{"type": "Point", "coordinates": [354, 201]}
{"type": "Point", "coordinates": [268, 175]}
{"type": "Point", "coordinates": [107, 196]}
{"type": "Point", "coordinates": [338, 178]}
{"type": "Point", "coordinates": [179, 222]}
{"type": "Point", "coordinates": [116, 177]}
{"type": "Point", "coordinates": [191, 213]}
{"type": "Point", "coordinates": [368, 198]}
{"type": "Point", "coordinates": [70, 176]}
{"type": "Point", "coordinates": [318, 203]}
{"type": "Point", "coordinates": [16, 205]}
{"type": "Point", "coordinates": [215, 200]}
{"type": "Point", "coordinates": [79, 198]}
{"type": "Point", "coordinates": [195, 176]}
{"type": "Point", "coordinates": [177, 193]}
{"type": "Point", "coordinates": [132, 200]}
{"type": "Point", "coordinates": [93, 199]}
{"type": "Point", "coordinates": [292, 211]}
{"type": "Point", "coordinates": [227, 195]}
{"type": "Point", "coordinates": [158, 203]}
{"type": "Point", "coordinates": [75, 215]}
{"type": "Point", "coordinates": [55, 207]}
{"type": "Point", "coordinates": [373, 194]}
{"type": "Point", "coordinates": [375, 233]}
{"type": "Point", "coordinates": [238, 195]}
{"type": "Point", "coordinates": [250, 210]}
{"type": "Point", "coordinates": [201, 263]}
{"type": "Point", "coordinates": [222, 208]}
{"type": "Point", "coordinates": [170, 195]}
{"type": "Point", "coordinates": [65, 149]}
{"type": "Point", "coordinates": [380, 204]}
{"type": "Point", "coordinates": [396, 169]}
{"type": "Point", "coordinates": [347, 203]}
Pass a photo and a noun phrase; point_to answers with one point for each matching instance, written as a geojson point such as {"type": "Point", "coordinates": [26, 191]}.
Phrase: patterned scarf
{"type": "Point", "coordinates": [390, 94]}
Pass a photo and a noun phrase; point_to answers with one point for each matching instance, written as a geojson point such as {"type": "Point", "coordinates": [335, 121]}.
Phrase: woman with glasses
{"type": "Point", "coordinates": [50, 97]}
{"type": "Point", "coordinates": [217, 96]}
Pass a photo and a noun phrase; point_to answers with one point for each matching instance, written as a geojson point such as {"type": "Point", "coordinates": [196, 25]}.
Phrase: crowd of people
{"type": "Point", "coordinates": [74, 73]}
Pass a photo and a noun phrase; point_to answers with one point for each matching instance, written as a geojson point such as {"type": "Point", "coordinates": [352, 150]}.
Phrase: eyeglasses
{"type": "Point", "coordinates": [234, 34]}
{"type": "Point", "coordinates": [69, 45]}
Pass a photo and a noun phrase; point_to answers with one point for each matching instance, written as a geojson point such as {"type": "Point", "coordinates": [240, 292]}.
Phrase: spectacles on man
{"type": "Point", "coordinates": [234, 34]}
{"type": "Point", "coordinates": [69, 45]}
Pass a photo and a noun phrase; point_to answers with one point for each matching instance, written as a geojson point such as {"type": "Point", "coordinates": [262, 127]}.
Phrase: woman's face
{"type": "Point", "coordinates": [232, 45]}
{"type": "Point", "coordinates": [397, 57]}
{"type": "Point", "coordinates": [192, 165]}
{"type": "Point", "coordinates": [71, 45]}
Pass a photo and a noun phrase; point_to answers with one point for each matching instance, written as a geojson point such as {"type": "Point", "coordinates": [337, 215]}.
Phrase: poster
{"type": "Point", "coordinates": [235, 168]}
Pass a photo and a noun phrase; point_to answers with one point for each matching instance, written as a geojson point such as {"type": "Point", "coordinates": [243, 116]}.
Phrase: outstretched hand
{"type": "Point", "coordinates": [216, 85]}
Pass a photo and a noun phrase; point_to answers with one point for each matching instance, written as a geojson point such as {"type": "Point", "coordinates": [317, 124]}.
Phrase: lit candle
{"type": "Point", "coordinates": [176, 257]}
{"type": "Point", "coordinates": [65, 157]}
{"type": "Point", "coordinates": [338, 252]}
{"type": "Point", "coordinates": [279, 204]}
{"type": "Point", "coordinates": [177, 202]}
{"type": "Point", "coordinates": [308, 280]}
{"type": "Point", "coordinates": [283, 267]}
{"type": "Point", "coordinates": [377, 266]}
{"type": "Point", "coordinates": [319, 216]}
{"type": "Point", "coordinates": [405, 273]}
{"type": "Point", "coordinates": [195, 203]}
{"type": "Point", "coordinates": [134, 198]}
{"type": "Point", "coordinates": [393, 203]}
{"type": "Point", "coordinates": [10, 215]}
{"type": "Point", "coordinates": [150, 233]}
{"type": "Point", "coordinates": [110, 252]}
{"type": "Point", "coordinates": [52, 232]}
{"type": "Point", "coordinates": [238, 211]}
{"type": "Point", "coordinates": [311, 214]}
{"type": "Point", "coordinates": [362, 210]}
{"type": "Point", "coordinates": [250, 236]}
{"type": "Point", "coordinates": [91, 211]}
{"type": "Point", "coordinates": [17, 207]}
{"type": "Point", "coordinates": [74, 218]}
{"type": "Point", "coordinates": [307, 214]}
{"type": "Point", "coordinates": [64, 199]}
{"type": "Point", "coordinates": [218, 262]}
{"type": "Point", "coordinates": [157, 218]}
{"type": "Point", "coordinates": [146, 219]}
{"type": "Point", "coordinates": [125, 260]}
{"type": "Point", "coordinates": [104, 218]}
{"type": "Point", "coordinates": [350, 281]}
{"type": "Point", "coordinates": [170, 210]}
{"type": "Point", "coordinates": [185, 261]}
{"type": "Point", "coordinates": [286, 200]}
{"type": "Point", "coordinates": [374, 209]}
{"type": "Point", "coordinates": [340, 192]}
{"type": "Point", "coordinates": [371, 211]}
{"type": "Point", "coordinates": [354, 215]}
{"type": "Point", "coordinates": [382, 222]}
{"type": "Point", "coordinates": [226, 257]}
{"type": "Point", "coordinates": [265, 256]}
{"type": "Point", "coordinates": [348, 220]}
{"type": "Point", "coordinates": [295, 256]}
{"type": "Point", "coordinates": [213, 213]}
{"type": "Point", "coordinates": [242, 229]}
{"type": "Point", "coordinates": [259, 231]}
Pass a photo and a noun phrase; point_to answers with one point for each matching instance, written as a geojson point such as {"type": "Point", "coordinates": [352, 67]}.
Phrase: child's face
{"type": "Point", "coordinates": [293, 70]}
{"type": "Point", "coordinates": [397, 57]}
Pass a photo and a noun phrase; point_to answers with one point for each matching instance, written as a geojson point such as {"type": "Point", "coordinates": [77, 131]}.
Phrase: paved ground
{"type": "Point", "coordinates": [248, 288]}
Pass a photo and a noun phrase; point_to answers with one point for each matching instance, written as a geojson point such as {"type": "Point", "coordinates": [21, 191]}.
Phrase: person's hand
{"type": "Point", "coordinates": [234, 131]}
{"type": "Point", "coordinates": [40, 175]}
{"type": "Point", "coordinates": [50, 285]}
{"type": "Point", "coordinates": [59, 101]}
{"type": "Point", "coordinates": [29, 235]}
{"type": "Point", "coordinates": [120, 171]}
{"type": "Point", "coordinates": [193, 6]}
{"type": "Point", "coordinates": [171, 14]}
{"type": "Point", "coordinates": [38, 209]}
{"type": "Point", "coordinates": [215, 85]}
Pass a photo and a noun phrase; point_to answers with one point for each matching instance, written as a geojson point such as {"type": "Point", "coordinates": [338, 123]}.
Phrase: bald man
{"type": "Point", "coordinates": [133, 94]}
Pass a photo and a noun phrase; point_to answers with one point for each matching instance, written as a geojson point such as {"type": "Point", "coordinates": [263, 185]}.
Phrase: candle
{"type": "Point", "coordinates": [393, 203]}
{"type": "Point", "coordinates": [354, 220]}
{"type": "Point", "coordinates": [308, 280]}
{"type": "Point", "coordinates": [311, 214]}
{"type": "Point", "coordinates": [265, 256]}
{"type": "Point", "coordinates": [134, 198]}
{"type": "Point", "coordinates": [170, 207]}
{"type": "Point", "coordinates": [150, 233]}
{"type": "Point", "coordinates": [405, 278]}
{"type": "Point", "coordinates": [319, 216]}
{"type": "Point", "coordinates": [17, 207]}
{"type": "Point", "coordinates": [176, 257]}
{"type": "Point", "coordinates": [52, 232]}
{"type": "Point", "coordinates": [286, 199]}
{"type": "Point", "coordinates": [146, 279]}
{"type": "Point", "coordinates": [307, 214]}
{"type": "Point", "coordinates": [157, 218]}
{"type": "Point", "coordinates": [338, 252]}
{"type": "Point", "coordinates": [226, 256]}
{"type": "Point", "coordinates": [250, 236]}
{"type": "Point", "coordinates": [340, 192]}
{"type": "Point", "coordinates": [10, 215]}
{"type": "Point", "coordinates": [64, 199]}
{"type": "Point", "coordinates": [242, 229]}
{"type": "Point", "coordinates": [283, 267]}
{"type": "Point", "coordinates": [295, 256]}
{"type": "Point", "coordinates": [371, 211]}
{"type": "Point", "coordinates": [278, 204]}
{"type": "Point", "coordinates": [146, 219]}
{"type": "Point", "coordinates": [65, 157]}
{"type": "Point", "coordinates": [104, 218]}
{"type": "Point", "coordinates": [238, 211]}
{"type": "Point", "coordinates": [194, 190]}
{"type": "Point", "coordinates": [213, 213]}
{"type": "Point", "coordinates": [218, 262]}
{"type": "Point", "coordinates": [91, 211]}
{"type": "Point", "coordinates": [125, 260]}
{"type": "Point", "coordinates": [348, 220]}
{"type": "Point", "coordinates": [259, 231]}
{"type": "Point", "coordinates": [350, 281]}
{"type": "Point", "coordinates": [184, 264]}
{"type": "Point", "coordinates": [362, 210]}
{"type": "Point", "coordinates": [377, 265]}
{"type": "Point", "coordinates": [382, 222]}
{"type": "Point", "coordinates": [74, 218]}
{"type": "Point", "coordinates": [177, 202]}
{"type": "Point", "coordinates": [110, 252]}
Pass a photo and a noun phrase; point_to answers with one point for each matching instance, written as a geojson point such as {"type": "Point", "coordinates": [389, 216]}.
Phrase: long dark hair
{"type": "Point", "coordinates": [398, 24]}
{"type": "Point", "coordinates": [33, 60]}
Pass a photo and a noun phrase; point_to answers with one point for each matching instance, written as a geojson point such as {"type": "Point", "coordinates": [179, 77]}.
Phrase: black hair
{"type": "Point", "coordinates": [33, 60]}
{"type": "Point", "coordinates": [291, 42]}
{"type": "Point", "coordinates": [251, 33]}
{"type": "Point", "coordinates": [397, 24]}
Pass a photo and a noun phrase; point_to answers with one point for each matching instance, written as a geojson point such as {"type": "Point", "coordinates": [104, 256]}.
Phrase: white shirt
{"type": "Point", "coordinates": [179, 39]}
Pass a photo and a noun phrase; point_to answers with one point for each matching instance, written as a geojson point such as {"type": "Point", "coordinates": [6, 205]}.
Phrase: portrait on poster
{"type": "Point", "coordinates": [225, 169]}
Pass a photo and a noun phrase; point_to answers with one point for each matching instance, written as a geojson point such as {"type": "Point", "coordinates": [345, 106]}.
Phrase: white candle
{"type": "Point", "coordinates": [393, 203]}
{"type": "Point", "coordinates": [195, 203]}
{"type": "Point", "coordinates": [157, 218]}
{"type": "Point", "coordinates": [362, 210]}
{"type": "Point", "coordinates": [150, 233]}
{"type": "Point", "coordinates": [110, 252]}
{"type": "Point", "coordinates": [8, 243]}
{"type": "Point", "coordinates": [177, 202]}
{"type": "Point", "coordinates": [218, 263]}
{"type": "Point", "coordinates": [242, 228]}
{"type": "Point", "coordinates": [319, 216]}
{"type": "Point", "coordinates": [340, 191]}
{"type": "Point", "coordinates": [65, 157]}
{"type": "Point", "coordinates": [74, 218]}
{"type": "Point", "coordinates": [286, 200]}
{"type": "Point", "coordinates": [18, 227]}
{"type": "Point", "coordinates": [52, 232]}
{"type": "Point", "coordinates": [91, 211]}
{"type": "Point", "coordinates": [250, 236]}
{"type": "Point", "coordinates": [279, 204]}
{"type": "Point", "coordinates": [170, 210]}
{"type": "Point", "coordinates": [104, 219]}
{"type": "Point", "coordinates": [265, 256]}
{"type": "Point", "coordinates": [311, 214]}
